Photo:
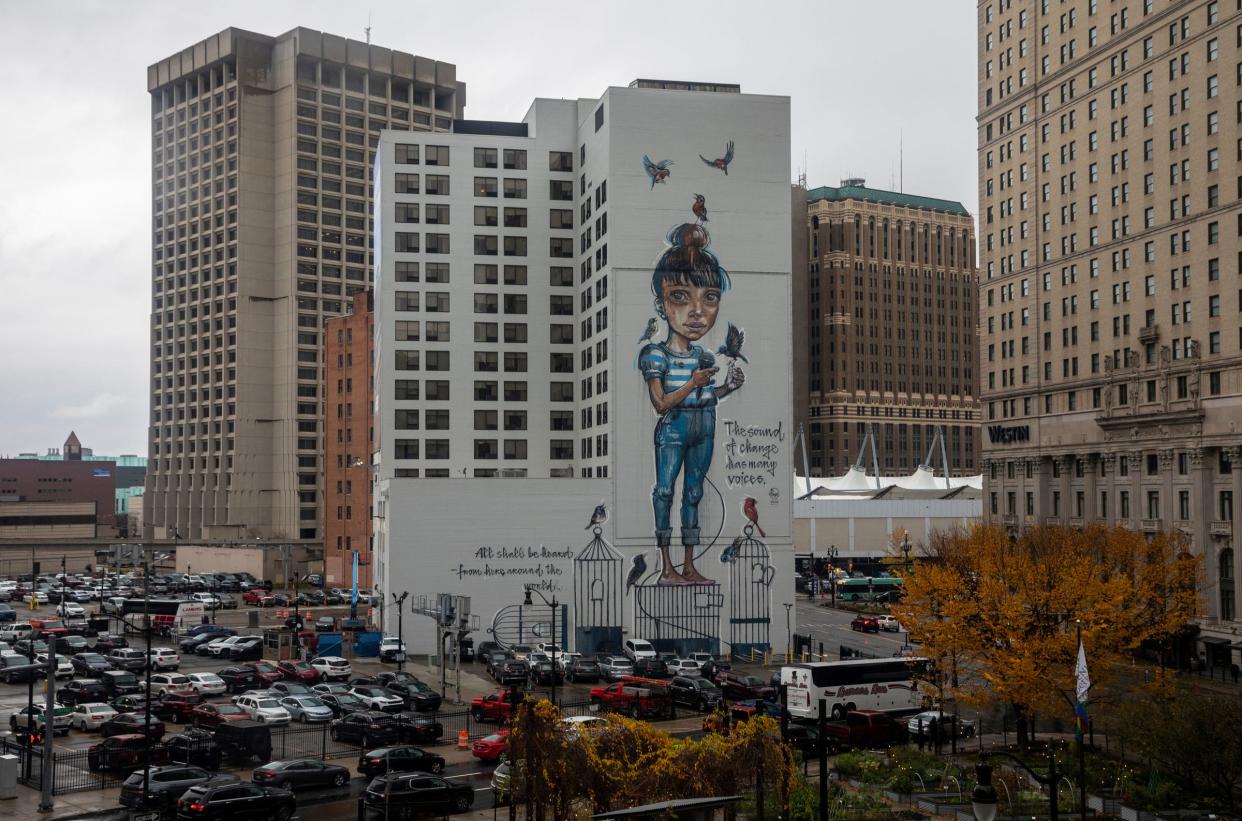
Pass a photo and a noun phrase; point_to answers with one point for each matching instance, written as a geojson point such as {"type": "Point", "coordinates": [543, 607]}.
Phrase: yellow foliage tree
{"type": "Point", "coordinates": [1003, 610]}
{"type": "Point", "coordinates": [630, 763]}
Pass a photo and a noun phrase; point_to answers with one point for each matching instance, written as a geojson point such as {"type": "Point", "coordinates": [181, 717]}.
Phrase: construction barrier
{"type": "Point", "coordinates": [463, 740]}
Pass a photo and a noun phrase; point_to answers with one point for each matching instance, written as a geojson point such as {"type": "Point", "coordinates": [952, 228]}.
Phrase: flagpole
{"type": "Point", "coordinates": [1082, 720]}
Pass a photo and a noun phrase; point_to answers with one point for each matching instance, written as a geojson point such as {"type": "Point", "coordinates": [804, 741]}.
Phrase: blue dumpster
{"type": "Point", "coordinates": [367, 643]}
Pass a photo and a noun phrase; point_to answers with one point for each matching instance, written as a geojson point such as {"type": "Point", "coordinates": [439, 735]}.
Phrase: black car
{"type": "Point", "coordinates": [417, 695]}
{"type": "Point", "coordinates": [582, 669]}
{"type": "Point", "coordinates": [404, 795]}
{"type": "Point", "coordinates": [107, 642]}
{"type": "Point", "coordinates": [248, 649]}
{"type": "Point", "coordinates": [399, 760]}
{"type": "Point", "coordinates": [119, 683]}
{"type": "Point", "coordinates": [805, 739]}
{"type": "Point", "coordinates": [325, 624]}
{"type": "Point", "coordinates": [191, 644]}
{"type": "Point", "coordinates": [132, 723]}
{"type": "Point", "coordinates": [366, 728]}
{"type": "Point", "coordinates": [7, 613]}
{"type": "Point", "coordinates": [695, 692]}
{"type": "Point", "coordinates": [227, 601]}
{"type": "Point", "coordinates": [239, 679]}
{"type": "Point", "coordinates": [313, 598]}
{"type": "Point", "coordinates": [418, 729]}
{"type": "Point", "coordinates": [386, 677]}
{"type": "Point", "coordinates": [132, 703]}
{"type": "Point", "coordinates": [301, 772]}
{"type": "Point", "coordinates": [209, 802]}
{"type": "Point", "coordinates": [90, 664]}
{"type": "Point", "coordinates": [82, 691]}
{"type": "Point", "coordinates": [193, 746]}
{"type": "Point", "coordinates": [546, 673]}
{"type": "Point", "coordinates": [651, 668]}
{"type": "Point", "coordinates": [495, 659]}
{"type": "Point", "coordinates": [18, 670]}
{"type": "Point", "coordinates": [512, 672]}
{"type": "Point", "coordinates": [342, 704]}
{"type": "Point", "coordinates": [485, 649]}
{"type": "Point", "coordinates": [166, 784]}
{"type": "Point", "coordinates": [69, 645]}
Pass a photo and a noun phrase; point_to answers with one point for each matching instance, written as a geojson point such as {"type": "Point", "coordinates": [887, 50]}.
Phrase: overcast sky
{"type": "Point", "coordinates": [75, 147]}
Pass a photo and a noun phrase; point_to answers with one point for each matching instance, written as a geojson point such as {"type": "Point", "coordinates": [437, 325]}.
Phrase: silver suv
{"type": "Point", "coordinates": [614, 668]}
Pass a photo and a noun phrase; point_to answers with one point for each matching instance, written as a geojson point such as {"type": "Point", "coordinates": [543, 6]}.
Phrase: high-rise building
{"type": "Point", "coordinates": [349, 438]}
{"type": "Point", "coordinates": [590, 307]}
{"type": "Point", "coordinates": [1110, 348]}
{"type": "Point", "coordinates": [261, 168]}
{"type": "Point", "coordinates": [886, 317]}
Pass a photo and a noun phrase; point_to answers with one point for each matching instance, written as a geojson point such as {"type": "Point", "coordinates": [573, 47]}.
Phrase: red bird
{"type": "Point", "coordinates": [752, 513]}
{"type": "Point", "coordinates": [721, 162]}
{"type": "Point", "coordinates": [700, 207]}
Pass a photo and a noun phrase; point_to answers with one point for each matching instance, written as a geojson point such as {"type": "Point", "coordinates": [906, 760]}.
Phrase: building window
{"type": "Point", "coordinates": [515, 448]}
{"type": "Point", "coordinates": [405, 449]}
{"type": "Point", "coordinates": [560, 161]}
{"type": "Point", "coordinates": [484, 186]}
{"type": "Point", "coordinates": [515, 189]}
{"type": "Point", "coordinates": [437, 448]}
{"type": "Point", "coordinates": [484, 158]}
{"type": "Point", "coordinates": [406, 154]}
{"type": "Point", "coordinates": [437, 155]}
{"type": "Point", "coordinates": [515, 159]}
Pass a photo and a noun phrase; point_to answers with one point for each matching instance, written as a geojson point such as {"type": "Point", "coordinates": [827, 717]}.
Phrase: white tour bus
{"type": "Point", "coordinates": [885, 684]}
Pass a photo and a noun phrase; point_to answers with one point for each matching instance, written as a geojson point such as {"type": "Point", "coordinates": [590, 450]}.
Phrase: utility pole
{"type": "Point", "coordinates": [146, 613]}
{"type": "Point", "coordinates": [823, 760]}
{"type": "Point", "coordinates": [48, 769]}
{"type": "Point", "coordinates": [399, 601]}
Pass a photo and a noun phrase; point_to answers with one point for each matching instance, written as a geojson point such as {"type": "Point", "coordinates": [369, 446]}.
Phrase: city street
{"type": "Point", "coordinates": [832, 628]}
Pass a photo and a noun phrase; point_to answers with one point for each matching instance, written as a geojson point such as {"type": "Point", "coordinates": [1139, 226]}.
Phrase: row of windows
{"type": "Point", "coordinates": [517, 449]}
{"type": "Point", "coordinates": [514, 159]}
{"type": "Point", "coordinates": [437, 390]}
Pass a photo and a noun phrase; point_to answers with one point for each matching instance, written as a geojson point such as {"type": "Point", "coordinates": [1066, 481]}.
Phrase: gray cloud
{"type": "Point", "coordinates": [75, 162]}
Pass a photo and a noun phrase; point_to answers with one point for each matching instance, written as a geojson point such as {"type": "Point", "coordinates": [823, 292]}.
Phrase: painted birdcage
{"type": "Point", "coordinates": [750, 594]}
{"type": "Point", "coordinates": [679, 619]}
{"type": "Point", "coordinates": [597, 596]}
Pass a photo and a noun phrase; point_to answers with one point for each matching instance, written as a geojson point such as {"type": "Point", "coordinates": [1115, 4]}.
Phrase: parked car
{"type": "Point", "coordinates": [211, 715]}
{"type": "Point", "coordinates": [412, 728]}
{"type": "Point", "coordinates": [82, 691]}
{"type": "Point", "coordinates": [64, 669]}
{"type": "Point", "coordinates": [343, 703]}
{"type": "Point", "coordinates": [399, 759]}
{"type": "Point", "coordinates": [683, 667]}
{"type": "Point", "coordinates": [263, 709]}
{"type": "Point", "coordinates": [177, 707]}
{"type": "Point", "coordinates": [582, 669]}
{"type": "Point", "coordinates": [90, 715]}
{"type": "Point", "coordinates": [325, 624]}
{"type": "Point", "coordinates": [90, 664]}
{"type": "Point", "coordinates": [170, 683]}
{"type": "Point", "coordinates": [227, 601]}
{"type": "Point", "coordinates": [164, 658]}
{"type": "Point", "coordinates": [165, 784]}
{"type": "Point", "coordinates": [107, 642]}
{"type": "Point", "coordinates": [391, 649]}
{"type": "Point", "coordinates": [492, 747]}
{"type": "Point", "coordinates": [378, 698]}
{"type": "Point", "coordinates": [301, 772]}
{"type": "Point", "coordinates": [929, 722]}
{"type": "Point", "coordinates": [415, 794]}
{"type": "Point", "coordinates": [290, 688]}
{"type": "Point", "coordinates": [298, 671]}
{"type": "Point", "coordinates": [128, 658]}
{"type": "Point", "coordinates": [614, 668]}
{"type": "Point", "coordinates": [865, 624]}
{"type": "Point", "coordinates": [133, 723]}
{"type": "Point", "coordinates": [69, 645]}
{"type": "Point", "coordinates": [306, 708]}
{"type": "Point", "coordinates": [239, 679]}
{"type": "Point", "coordinates": [368, 728]}
{"type": "Point", "coordinates": [131, 703]}
{"type": "Point", "coordinates": [120, 683]}
{"type": "Point", "coordinates": [61, 718]}
{"type": "Point", "coordinates": [415, 695]}
{"type": "Point", "coordinates": [123, 752]}
{"type": "Point", "coordinates": [7, 613]}
{"type": "Point", "coordinates": [249, 648]}
{"type": "Point", "coordinates": [207, 684]}
{"type": "Point", "coordinates": [267, 673]}
{"type": "Point", "coordinates": [634, 649]}
{"type": "Point", "coordinates": [695, 692]}
{"type": "Point", "coordinates": [210, 802]}
{"type": "Point", "coordinates": [332, 667]}
{"type": "Point", "coordinates": [651, 668]}
{"type": "Point", "coordinates": [514, 671]}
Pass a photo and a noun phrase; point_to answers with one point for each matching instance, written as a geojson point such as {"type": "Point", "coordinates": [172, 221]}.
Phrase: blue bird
{"type": "Point", "coordinates": [598, 517]}
{"type": "Point", "coordinates": [656, 171]}
{"type": "Point", "coordinates": [729, 554]}
{"type": "Point", "coordinates": [653, 325]}
{"type": "Point", "coordinates": [637, 569]}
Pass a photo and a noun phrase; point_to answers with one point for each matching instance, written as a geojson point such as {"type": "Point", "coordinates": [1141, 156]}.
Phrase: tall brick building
{"type": "Point", "coordinates": [349, 439]}
{"type": "Point", "coordinates": [884, 326]}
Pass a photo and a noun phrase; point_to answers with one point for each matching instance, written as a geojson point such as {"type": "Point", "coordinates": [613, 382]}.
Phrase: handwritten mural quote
{"type": "Point", "coordinates": [537, 565]}
{"type": "Point", "coordinates": [753, 453]}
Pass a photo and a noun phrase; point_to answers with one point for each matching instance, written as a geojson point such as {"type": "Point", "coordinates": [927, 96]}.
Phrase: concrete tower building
{"type": "Point", "coordinates": [261, 167]}
{"type": "Point", "coordinates": [1111, 351]}
{"type": "Point", "coordinates": [887, 320]}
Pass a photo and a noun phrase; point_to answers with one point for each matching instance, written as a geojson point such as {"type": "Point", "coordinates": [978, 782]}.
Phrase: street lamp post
{"type": "Point", "coordinates": [400, 601]}
{"type": "Point", "coordinates": [905, 549]}
{"type": "Point", "coordinates": [552, 604]}
{"type": "Point", "coordinates": [832, 573]}
{"type": "Point", "coordinates": [788, 631]}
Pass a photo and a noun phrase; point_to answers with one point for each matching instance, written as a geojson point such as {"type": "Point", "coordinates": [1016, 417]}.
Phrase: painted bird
{"type": "Point", "coordinates": [657, 171]}
{"type": "Point", "coordinates": [653, 325]}
{"type": "Point", "coordinates": [638, 566]}
{"type": "Point", "coordinates": [721, 162]}
{"type": "Point", "coordinates": [752, 513]}
{"type": "Point", "coordinates": [732, 347]}
{"type": "Point", "coordinates": [729, 554]}
{"type": "Point", "coordinates": [598, 517]}
{"type": "Point", "coordinates": [700, 207]}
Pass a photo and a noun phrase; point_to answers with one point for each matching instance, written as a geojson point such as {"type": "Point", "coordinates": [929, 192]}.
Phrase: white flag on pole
{"type": "Point", "coordinates": [1084, 678]}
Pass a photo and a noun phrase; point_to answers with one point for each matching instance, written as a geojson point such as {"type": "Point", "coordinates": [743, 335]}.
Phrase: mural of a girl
{"type": "Point", "coordinates": [688, 284]}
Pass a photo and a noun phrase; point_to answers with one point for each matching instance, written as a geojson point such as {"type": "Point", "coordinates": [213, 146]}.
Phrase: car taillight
{"type": "Point", "coordinates": [197, 807]}
{"type": "Point", "coordinates": [377, 761]}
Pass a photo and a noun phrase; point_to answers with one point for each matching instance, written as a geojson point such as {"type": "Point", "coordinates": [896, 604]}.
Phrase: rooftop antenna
{"type": "Point", "coordinates": [368, 28]}
{"type": "Point", "coordinates": [901, 161]}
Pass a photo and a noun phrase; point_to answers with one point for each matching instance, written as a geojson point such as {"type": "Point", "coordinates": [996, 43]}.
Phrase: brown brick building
{"type": "Point", "coordinates": [28, 486]}
{"type": "Point", "coordinates": [349, 435]}
{"type": "Point", "coordinates": [884, 325]}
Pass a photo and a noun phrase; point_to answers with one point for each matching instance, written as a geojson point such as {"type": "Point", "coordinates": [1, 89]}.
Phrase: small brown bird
{"type": "Point", "coordinates": [700, 207]}
{"type": "Point", "coordinates": [721, 162]}
{"type": "Point", "coordinates": [752, 513]}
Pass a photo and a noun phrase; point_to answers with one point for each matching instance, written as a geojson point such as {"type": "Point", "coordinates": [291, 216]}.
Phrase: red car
{"type": "Point", "coordinates": [298, 671]}
{"type": "Point", "coordinates": [865, 624]}
{"type": "Point", "coordinates": [259, 598]}
{"type": "Point", "coordinates": [491, 747]}
{"type": "Point", "coordinates": [123, 753]}
{"type": "Point", "coordinates": [176, 707]}
{"type": "Point", "coordinates": [267, 673]}
{"type": "Point", "coordinates": [213, 715]}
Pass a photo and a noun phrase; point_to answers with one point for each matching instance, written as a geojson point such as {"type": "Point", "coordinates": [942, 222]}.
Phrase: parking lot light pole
{"type": "Point", "coordinates": [400, 601]}
{"type": "Point", "coordinates": [552, 604]}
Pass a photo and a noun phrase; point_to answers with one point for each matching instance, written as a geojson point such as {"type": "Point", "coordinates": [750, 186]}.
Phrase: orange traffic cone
{"type": "Point", "coordinates": [463, 740]}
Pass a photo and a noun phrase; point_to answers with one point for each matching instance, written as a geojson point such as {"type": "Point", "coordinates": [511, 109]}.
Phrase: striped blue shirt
{"type": "Point", "coordinates": [674, 370]}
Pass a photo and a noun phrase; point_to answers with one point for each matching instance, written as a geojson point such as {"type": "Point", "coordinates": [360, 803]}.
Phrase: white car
{"type": "Point", "coordinates": [889, 623]}
{"type": "Point", "coordinates": [209, 600]}
{"type": "Point", "coordinates": [263, 708]}
{"type": "Point", "coordinates": [332, 667]}
{"type": "Point", "coordinates": [164, 658]}
{"type": "Point", "coordinates": [701, 658]}
{"type": "Point", "coordinates": [91, 716]}
{"type": "Point", "coordinates": [71, 609]}
{"type": "Point", "coordinates": [207, 684]}
{"type": "Point", "coordinates": [378, 698]}
{"type": "Point", "coordinates": [552, 651]}
{"type": "Point", "coordinates": [40, 596]}
{"type": "Point", "coordinates": [636, 649]}
{"type": "Point", "coordinates": [171, 683]}
{"type": "Point", "coordinates": [220, 647]}
{"type": "Point", "coordinates": [563, 660]}
{"type": "Point", "coordinates": [683, 667]}
{"type": "Point", "coordinates": [64, 669]}
{"type": "Point", "coordinates": [391, 649]}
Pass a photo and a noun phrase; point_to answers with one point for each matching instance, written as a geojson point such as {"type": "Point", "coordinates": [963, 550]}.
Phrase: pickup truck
{"type": "Point", "coordinates": [496, 707]}
{"type": "Point", "coordinates": [865, 728]}
{"type": "Point", "coordinates": [638, 699]}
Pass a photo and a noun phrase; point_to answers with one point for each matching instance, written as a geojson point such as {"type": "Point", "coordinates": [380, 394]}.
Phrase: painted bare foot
{"type": "Point", "coordinates": [671, 577]}
{"type": "Point", "coordinates": [693, 576]}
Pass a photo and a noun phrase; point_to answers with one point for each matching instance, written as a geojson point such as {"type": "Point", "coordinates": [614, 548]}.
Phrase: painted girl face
{"type": "Point", "coordinates": [690, 310]}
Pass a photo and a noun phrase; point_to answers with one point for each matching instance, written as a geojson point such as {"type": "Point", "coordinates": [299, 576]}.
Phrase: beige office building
{"type": "Point", "coordinates": [261, 154]}
{"type": "Point", "coordinates": [1109, 224]}
{"type": "Point", "coordinates": [884, 317]}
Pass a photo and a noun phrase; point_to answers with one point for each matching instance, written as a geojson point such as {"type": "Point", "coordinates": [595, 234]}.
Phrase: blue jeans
{"type": "Point", "coordinates": [684, 438]}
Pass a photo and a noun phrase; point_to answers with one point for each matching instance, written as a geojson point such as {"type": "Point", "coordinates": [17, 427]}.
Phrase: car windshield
{"type": "Point", "coordinates": [265, 668]}
{"type": "Point", "coordinates": [307, 701]}
{"type": "Point", "coordinates": [751, 681]}
{"type": "Point", "coordinates": [267, 703]}
{"type": "Point", "coordinates": [229, 710]}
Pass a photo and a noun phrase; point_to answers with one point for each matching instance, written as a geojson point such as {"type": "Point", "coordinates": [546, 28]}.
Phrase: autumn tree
{"type": "Point", "coordinates": [1004, 609]}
